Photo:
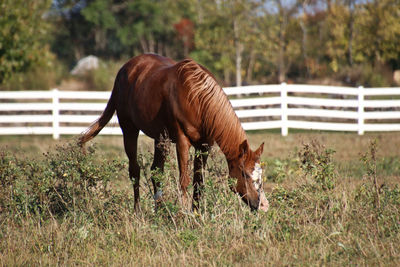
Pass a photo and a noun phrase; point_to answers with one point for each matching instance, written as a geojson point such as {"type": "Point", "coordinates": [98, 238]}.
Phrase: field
{"type": "Point", "coordinates": [334, 201]}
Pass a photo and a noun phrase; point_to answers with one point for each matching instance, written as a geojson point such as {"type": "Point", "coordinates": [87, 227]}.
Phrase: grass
{"type": "Point", "coordinates": [334, 199]}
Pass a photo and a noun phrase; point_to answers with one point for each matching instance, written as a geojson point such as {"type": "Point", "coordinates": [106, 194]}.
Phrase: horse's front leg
{"type": "Point", "coordinates": [157, 168]}
{"type": "Point", "coordinates": [200, 161]}
{"type": "Point", "coordinates": [182, 151]}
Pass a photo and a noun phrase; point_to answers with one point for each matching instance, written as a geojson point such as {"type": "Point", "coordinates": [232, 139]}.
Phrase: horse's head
{"type": "Point", "coordinates": [247, 170]}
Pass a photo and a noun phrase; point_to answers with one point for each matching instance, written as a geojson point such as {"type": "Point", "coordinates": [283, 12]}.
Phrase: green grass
{"type": "Point", "coordinates": [61, 207]}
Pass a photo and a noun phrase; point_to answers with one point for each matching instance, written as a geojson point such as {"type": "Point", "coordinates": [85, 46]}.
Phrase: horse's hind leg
{"type": "Point", "coordinates": [130, 144]}
{"type": "Point", "coordinates": [157, 169]}
{"type": "Point", "coordinates": [200, 160]}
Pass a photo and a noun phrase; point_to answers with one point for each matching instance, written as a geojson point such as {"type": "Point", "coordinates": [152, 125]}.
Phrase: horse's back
{"type": "Point", "coordinates": [144, 84]}
{"type": "Point", "coordinates": [160, 96]}
{"type": "Point", "coordinates": [142, 67]}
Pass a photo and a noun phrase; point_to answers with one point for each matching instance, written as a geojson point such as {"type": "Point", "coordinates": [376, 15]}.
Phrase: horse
{"type": "Point", "coordinates": [183, 102]}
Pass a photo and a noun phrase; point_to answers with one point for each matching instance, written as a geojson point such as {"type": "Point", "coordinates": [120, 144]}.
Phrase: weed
{"type": "Point", "coordinates": [280, 170]}
{"type": "Point", "coordinates": [369, 160]}
{"type": "Point", "coordinates": [316, 161]}
{"type": "Point", "coordinates": [381, 201]}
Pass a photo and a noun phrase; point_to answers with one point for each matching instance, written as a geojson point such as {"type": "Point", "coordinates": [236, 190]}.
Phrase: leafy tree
{"type": "Point", "coordinates": [142, 24]}
{"type": "Point", "coordinates": [379, 32]}
{"type": "Point", "coordinates": [100, 13]}
{"type": "Point", "coordinates": [214, 40]}
{"type": "Point", "coordinates": [226, 35]}
{"type": "Point", "coordinates": [337, 44]}
{"type": "Point", "coordinates": [241, 41]}
{"type": "Point", "coordinates": [24, 35]}
{"type": "Point", "coordinates": [286, 35]}
{"type": "Point", "coordinates": [73, 38]}
{"type": "Point", "coordinates": [118, 29]}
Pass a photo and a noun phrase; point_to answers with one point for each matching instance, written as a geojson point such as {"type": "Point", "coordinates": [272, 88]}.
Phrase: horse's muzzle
{"type": "Point", "coordinates": [263, 204]}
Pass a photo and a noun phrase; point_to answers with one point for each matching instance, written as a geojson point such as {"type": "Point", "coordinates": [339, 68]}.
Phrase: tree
{"type": "Point", "coordinates": [143, 23]}
{"type": "Point", "coordinates": [100, 13]}
{"type": "Point", "coordinates": [337, 45]}
{"type": "Point", "coordinates": [286, 36]}
{"type": "Point", "coordinates": [24, 34]}
{"type": "Point", "coordinates": [308, 10]}
{"type": "Point", "coordinates": [226, 35]}
{"type": "Point", "coordinates": [73, 38]}
{"type": "Point", "coordinates": [379, 33]}
{"type": "Point", "coordinates": [214, 39]}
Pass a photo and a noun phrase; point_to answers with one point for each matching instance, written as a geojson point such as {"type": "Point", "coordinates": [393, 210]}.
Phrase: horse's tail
{"type": "Point", "coordinates": [105, 117]}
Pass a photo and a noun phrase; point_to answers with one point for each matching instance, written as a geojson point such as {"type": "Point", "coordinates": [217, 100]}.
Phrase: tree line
{"type": "Point", "coordinates": [240, 41]}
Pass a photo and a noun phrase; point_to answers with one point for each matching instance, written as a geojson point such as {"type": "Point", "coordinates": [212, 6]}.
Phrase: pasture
{"type": "Point", "coordinates": [334, 200]}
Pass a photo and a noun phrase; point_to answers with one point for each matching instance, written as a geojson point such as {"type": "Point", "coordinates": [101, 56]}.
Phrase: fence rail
{"type": "Point", "coordinates": [259, 107]}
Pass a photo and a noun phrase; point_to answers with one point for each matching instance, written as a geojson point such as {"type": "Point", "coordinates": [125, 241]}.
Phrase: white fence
{"type": "Point", "coordinates": [259, 107]}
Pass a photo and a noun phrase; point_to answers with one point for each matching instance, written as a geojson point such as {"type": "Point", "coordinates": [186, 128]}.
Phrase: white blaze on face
{"type": "Point", "coordinates": [256, 176]}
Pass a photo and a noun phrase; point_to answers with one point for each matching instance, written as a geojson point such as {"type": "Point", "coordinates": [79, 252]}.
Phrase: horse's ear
{"type": "Point", "coordinates": [243, 148]}
{"type": "Point", "coordinates": [260, 150]}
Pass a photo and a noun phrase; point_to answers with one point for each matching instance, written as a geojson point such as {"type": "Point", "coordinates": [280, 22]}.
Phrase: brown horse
{"type": "Point", "coordinates": [183, 102]}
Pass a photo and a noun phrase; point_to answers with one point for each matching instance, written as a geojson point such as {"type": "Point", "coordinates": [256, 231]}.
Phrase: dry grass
{"type": "Point", "coordinates": [323, 212]}
{"type": "Point", "coordinates": [348, 146]}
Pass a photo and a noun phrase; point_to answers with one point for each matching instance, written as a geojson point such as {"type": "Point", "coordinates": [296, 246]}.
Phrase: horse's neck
{"type": "Point", "coordinates": [219, 120]}
{"type": "Point", "coordinates": [229, 143]}
{"type": "Point", "coordinates": [227, 131]}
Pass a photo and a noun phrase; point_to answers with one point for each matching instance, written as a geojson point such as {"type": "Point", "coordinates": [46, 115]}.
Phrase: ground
{"type": "Point", "coordinates": [61, 207]}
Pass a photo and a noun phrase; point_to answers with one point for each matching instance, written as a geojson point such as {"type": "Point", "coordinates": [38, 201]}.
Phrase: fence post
{"type": "Point", "coordinates": [360, 110]}
{"type": "Point", "coordinates": [56, 114]}
{"type": "Point", "coordinates": [284, 107]}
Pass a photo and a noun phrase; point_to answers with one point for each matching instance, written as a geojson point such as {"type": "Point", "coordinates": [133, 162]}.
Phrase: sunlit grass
{"type": "Point", "coordinates": [65, 208]}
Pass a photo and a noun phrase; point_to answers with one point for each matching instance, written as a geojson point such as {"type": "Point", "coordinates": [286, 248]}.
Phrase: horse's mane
{"type": "Point", "coordinates": [213, 107]}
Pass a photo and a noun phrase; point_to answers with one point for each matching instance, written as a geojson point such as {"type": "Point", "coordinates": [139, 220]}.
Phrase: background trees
{"type": "Point", "coordinates": [24, 36]}
{"type": "Point", "coordinates": [241, 41]}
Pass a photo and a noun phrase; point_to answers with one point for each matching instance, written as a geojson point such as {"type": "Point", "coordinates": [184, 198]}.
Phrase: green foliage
{"type": "Point", "coordinates": [36, 78]}
{"type": "Point", "coordinates": [215, 29]}
{"type": "Point", "coordinates": [64, 182]}
{"type": "Point", "coordinates": [380, 217]}
{"type": "Point", "coordinates": [100, 14]}
{"type": "Point", "coordinates": [316, 162]}
{"type": "Point", "coordinates": [313, 161]}
{"type": "Point", "coordinates": [382, 202]}
{"type": "Point", "coordinates": [279, 170]}
{"type": "Point", "coordinates": [273, 41]}
{"type": "Point", "coordinates": [141, 20]}
{"type": "Point", "coordinates": [379, 24]}
{"type": "Point", "coordinates": [24, 37]}
{"type": "Point", "coordinates": [188, 238]}
{"type": "Point", "coordinates": [366, 75]}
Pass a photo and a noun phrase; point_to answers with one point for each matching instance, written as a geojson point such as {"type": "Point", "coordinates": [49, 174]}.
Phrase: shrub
{"type": "Point", "coordinates": [38, 77]}
{"type": "Point", "coordinates": [316, 162]}
{"type": "Point", "coordinates": [366, 76]}
{"type": "Point", "coordinates": [279, 170]}
{"type": "Point", "coordinates": [64, 181]}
